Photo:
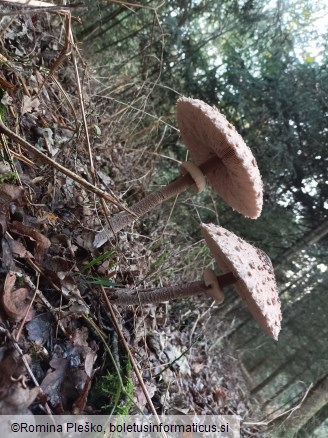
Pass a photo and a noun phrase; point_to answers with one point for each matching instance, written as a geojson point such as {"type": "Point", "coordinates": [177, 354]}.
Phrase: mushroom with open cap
{"type": "Point", "coordinates": [218, 152]}
{"type": "Point", "coordinates": [247, 267]}
{"type": "Point", "coordinates": [256, 282]}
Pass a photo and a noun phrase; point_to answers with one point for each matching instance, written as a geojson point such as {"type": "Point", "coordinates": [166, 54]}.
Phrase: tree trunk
{"type": "Point", "coordinates": [316, 399]}
{"type": "Point", "coordinates": [311, 237]}
{"type": "Point", "coordinates": [314, 423]}
{"type": "Point", "coordinates": [272, 375]}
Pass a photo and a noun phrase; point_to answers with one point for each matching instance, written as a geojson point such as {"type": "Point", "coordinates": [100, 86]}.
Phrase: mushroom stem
{"type": "Point", "coordinates": [127, 297]}
{"type": "Point", "coordinates": [179, 185]}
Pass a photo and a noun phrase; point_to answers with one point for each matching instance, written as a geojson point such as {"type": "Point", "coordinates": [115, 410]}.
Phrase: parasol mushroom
{"type": "Point", "coordinates": [247, 267]}
{"type": "Point", "coordinates": [210, 284]}
{"type": "Point", "coordinates": [218, 152]}
{"type": "Point", "coordinates": [256, 282]}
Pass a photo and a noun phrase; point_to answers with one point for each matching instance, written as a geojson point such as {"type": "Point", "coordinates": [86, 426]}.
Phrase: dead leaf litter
{"type": "Point", "coordinates": [48, 223]}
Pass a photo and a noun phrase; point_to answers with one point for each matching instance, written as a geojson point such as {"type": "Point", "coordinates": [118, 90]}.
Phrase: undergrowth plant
{"type": "Point", "coordinates": [118, 398]}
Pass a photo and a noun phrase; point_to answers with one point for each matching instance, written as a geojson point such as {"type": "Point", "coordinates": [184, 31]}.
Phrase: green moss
{"type": "Point", "coordinates": [9, 177]}
{"type": "Point", "coordinates": [113, 395]}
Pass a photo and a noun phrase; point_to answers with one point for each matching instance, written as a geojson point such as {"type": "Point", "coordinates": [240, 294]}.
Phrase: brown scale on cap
{"type": "Point", "coordinates": [256, 282]}
{"type": "Point", "coordinates": [208, 135]}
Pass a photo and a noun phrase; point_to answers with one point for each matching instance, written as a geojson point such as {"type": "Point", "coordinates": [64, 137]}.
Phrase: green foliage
{"type": "Point", "coordinates": [119, 398]}
{"type": "Point", "coordinates": [8, 177]}
{"type": "Point", "coordinates": [94, 279]}
{"type": "Point", "coordinates": [256, 62]}
{"type": "Point", "coordinates": [2, 106]}
{"type": "Point", "coordinates": [99, 280]}
{"type": "Point", "coordinates": [100, 258]}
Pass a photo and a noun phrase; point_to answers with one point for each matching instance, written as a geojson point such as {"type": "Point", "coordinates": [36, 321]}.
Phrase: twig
{"type": "Point", "coordinates": [27, 366]}
{"type": "Point", "coordinates": [79, 90]}
{"type": "Point", "coordinates": [44, 299]}
{"type": "Point", "coordinates": [130, 5]}
{"type": "Point", "coordinates": [19, 331]}
{"type": "Point", "coordinates": [102, 336]}
{"type": "Point", "coordinates": [70, 43]}
{"type": "Point", "coordinates": [289, 412]}
{"type": "Point", "coordinates": [88, 186]}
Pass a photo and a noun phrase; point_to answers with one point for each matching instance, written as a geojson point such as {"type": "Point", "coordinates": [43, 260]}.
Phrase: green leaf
{"type": "Point", "coordinates": [98, 259]}
{"type": "Point", "coordinates": [97, 129]}
{"type": "Point", "coordinates": [102, 281]}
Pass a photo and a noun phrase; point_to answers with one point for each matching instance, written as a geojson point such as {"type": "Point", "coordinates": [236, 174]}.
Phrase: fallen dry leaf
{"type": "Point", "coordinates": [9, 192]}
{"type": "Point", "coordinates": [18, 249]}
{"type": "Point", "coordinates": [40, 329]}
{"type": "Point", "coordinates": [10, 250]}
{"type": "Point", "coordinates": [15, 301]}
{"type": "Point", "coordinates": [79, 404]}
{"type": "Point", "coordinates": [67, 385]}
{"type": "Point", "coordinates": [9, 196]}
{"type": "Point", "coordinates": [15, 397]}
{"type": "Point", "coordinates": [29, 104]}
{"type": "Point", "coordinates": [197, 367]}
{"type": "Point", "coordinates": [140, 396]}
{"type": "Point", "coordinates": [41, 242]}
{"type": "Point", "coordinates": [220, 394]}
{"type": "Point", "coordinates": [52, 383]}
{"type": "Point", "coordinates": [8, 262]}
{"type": "Point", "coordinates": [18, 399]}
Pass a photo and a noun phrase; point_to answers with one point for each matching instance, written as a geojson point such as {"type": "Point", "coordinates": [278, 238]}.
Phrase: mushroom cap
{"type": "Point", "coordinates": [207, 133]}
{"type": "Point", "coordinates": [256, 282]}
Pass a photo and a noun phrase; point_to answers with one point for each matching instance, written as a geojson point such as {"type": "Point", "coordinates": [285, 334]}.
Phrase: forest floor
{"type": "Point", "coordinates": [61, 340]}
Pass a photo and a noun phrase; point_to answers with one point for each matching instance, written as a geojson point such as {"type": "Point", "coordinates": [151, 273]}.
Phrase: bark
{"type": "Point", "coordinates": [282, 389]}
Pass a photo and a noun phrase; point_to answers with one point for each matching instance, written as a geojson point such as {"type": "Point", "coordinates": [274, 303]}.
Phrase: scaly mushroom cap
{"type": "Point", "coordinates": [256, 282]}
{"type": "Point", "coordinates": [207, 133]}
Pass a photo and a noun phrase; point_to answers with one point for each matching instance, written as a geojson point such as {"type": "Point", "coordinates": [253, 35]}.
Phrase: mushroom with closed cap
{"type": "Point", "coordinates": [218, 152]}
{"type": "Point", "coordinates": [248, 268]}
{"type": "Point", "coordinates": [256, 282]}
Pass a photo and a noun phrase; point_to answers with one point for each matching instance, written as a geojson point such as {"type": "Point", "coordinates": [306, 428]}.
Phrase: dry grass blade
{"type": "Point", "coordinates": [9, 155]}
{"type": "Point", "coordinates": [133, 362]}
{"type": "Point", "coordinates": [71, 43]}
{"type": "Point", "coordinates": [88, 186]}
{"type": "Point", "coordinates": [35, 5]}
{"type": "Point", "coordinates": [130, 5]}
{"type": "Point", "coordinates": [289, 412]}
